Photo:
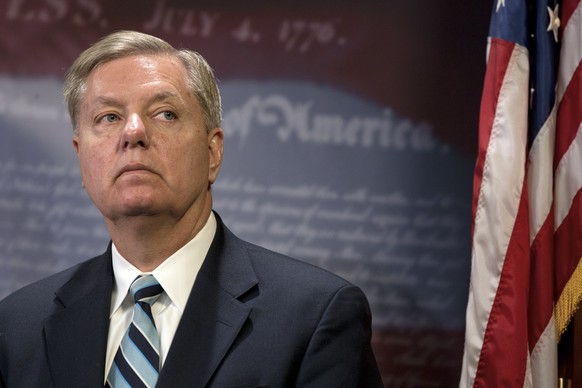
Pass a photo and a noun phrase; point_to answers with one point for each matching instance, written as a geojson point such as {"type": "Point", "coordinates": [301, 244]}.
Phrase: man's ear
{"type": "Point", "coordinates": [76, 143]}
{"type": "Point", "coordinates": [215, 150]}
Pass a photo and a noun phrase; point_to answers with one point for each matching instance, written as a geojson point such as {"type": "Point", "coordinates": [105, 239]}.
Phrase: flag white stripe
{"type": "Point", "coordinates": [568, 179]}
{"type": "Point", "coordinates": [544, 358]}
{"type": "Point", "coordinates": [571, 51]}
{"type": "Point", "coordinates": [540, 175]}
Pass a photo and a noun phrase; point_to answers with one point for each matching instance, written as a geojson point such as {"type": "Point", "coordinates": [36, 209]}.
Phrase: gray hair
{"type": "Point", "coordinates": [122, 44]}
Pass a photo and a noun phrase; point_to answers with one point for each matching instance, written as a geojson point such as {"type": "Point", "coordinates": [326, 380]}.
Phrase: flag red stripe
{"type": "Point", "coordinates": [567, 9]}
{"type": "Point", "coordinates": [569, 116]}
{"type": "Point", "coordinates": [568, 242]}
{"type": "Point", "coordinates": [505, 348]}
{"type": "Point", "coordinates": [541, 302]}
{"type": "Point", "coordinates": [500, 53]}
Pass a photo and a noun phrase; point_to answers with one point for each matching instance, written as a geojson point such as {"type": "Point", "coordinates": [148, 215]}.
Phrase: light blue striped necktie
{"type": "Point", "coordinates": [137, 361]}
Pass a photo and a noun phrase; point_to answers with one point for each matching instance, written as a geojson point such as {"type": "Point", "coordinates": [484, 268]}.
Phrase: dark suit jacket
{"type": "Point", "coordinates": [254, 318]}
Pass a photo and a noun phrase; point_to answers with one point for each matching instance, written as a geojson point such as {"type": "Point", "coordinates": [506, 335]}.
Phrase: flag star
{"type": "Point", "coordinates": [500, 3]}
{"type": "Point", "coordinates": [554, 21]}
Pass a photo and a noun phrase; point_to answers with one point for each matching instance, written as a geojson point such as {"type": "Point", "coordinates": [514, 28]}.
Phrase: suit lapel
{"type": "Point", "coordinates": [76, 336]}
{"type": "Point", "coordinates": [204, 335]}
{"type": "Point", "coordinates": [214, 315]}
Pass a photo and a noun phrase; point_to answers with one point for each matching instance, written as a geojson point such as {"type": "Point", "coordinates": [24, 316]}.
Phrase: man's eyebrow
{"type": "Point", "coordinates": [105, 100]}
{"type": "Point", "coordinates": [164, 96]}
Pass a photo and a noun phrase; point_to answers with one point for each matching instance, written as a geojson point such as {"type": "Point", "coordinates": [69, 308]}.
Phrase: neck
{"type": "Point", "coordinates": [147, 241]}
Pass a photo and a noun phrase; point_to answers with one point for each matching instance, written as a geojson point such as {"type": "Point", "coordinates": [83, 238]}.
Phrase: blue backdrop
{"type": "Point", "coordinates": [350, 129]}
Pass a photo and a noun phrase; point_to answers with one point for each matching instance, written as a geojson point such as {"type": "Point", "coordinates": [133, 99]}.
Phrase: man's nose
{"type": "Point", "coordinates": [134, 133]}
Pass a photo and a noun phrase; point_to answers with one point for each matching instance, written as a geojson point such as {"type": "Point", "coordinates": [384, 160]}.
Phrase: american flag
{"type": "Point", "coordinates": [526, 275]}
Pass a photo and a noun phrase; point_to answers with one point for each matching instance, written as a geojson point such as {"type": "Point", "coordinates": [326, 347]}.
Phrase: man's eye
{"type": "Point", "coordinates": [110, 118]}
{"type": "Point", "coordinates": [167, 115]}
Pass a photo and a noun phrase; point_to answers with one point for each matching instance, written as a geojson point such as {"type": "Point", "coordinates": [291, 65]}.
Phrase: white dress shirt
{"type": "Point", "coordinates": [176, 275]}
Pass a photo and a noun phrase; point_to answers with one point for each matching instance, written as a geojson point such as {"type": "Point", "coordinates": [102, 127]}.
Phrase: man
{"type": "Point", "coordinates": [221, 312]}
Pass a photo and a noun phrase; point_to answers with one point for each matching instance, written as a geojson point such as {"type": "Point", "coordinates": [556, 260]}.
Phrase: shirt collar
{"type": "Point", "coordinates": [176, 274]}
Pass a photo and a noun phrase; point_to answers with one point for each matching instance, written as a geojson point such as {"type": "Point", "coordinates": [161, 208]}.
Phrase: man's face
{"type": "Point", "coordinates": [142, 146]}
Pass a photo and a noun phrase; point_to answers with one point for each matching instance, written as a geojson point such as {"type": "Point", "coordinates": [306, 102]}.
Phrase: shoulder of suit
{"type": "Point", "coordinates": [43, 290]}
{"type": "Point", "coordinates": [271, 264]}
{"type": "Point", "coordinates": [278, 264]}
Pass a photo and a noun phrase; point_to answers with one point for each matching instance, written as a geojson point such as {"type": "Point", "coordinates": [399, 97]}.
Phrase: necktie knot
{"type": "Point", "coordinates": [146, 289]}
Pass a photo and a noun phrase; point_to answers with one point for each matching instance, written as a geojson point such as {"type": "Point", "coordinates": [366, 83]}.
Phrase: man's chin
{"type": "Point", "coordinates": [136, 211]}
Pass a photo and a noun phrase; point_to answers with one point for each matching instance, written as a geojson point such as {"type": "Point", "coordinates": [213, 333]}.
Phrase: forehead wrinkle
{"type": "Point", "coordinates": [164, 92]}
